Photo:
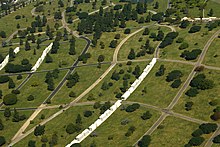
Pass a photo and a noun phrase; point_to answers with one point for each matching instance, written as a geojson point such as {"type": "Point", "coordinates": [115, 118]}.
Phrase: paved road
{"type": "Point", "coordinates": [184, 87]}
{"type": "Point", "coordinates": [21, 135]}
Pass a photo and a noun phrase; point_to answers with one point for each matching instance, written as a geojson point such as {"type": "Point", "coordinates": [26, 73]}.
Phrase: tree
{"type": "Point", "coordinates": [1, 125]}
{"type": "Point", "coordinates": [156, 6]}
{"type": "Point", "coordinates": [25, 62]}
{"type": "Point", "coordinates": [127, 31]}
{"type": "Point", "coordinates": [72, 94]}
{"type": "Point", "coordinates": [146, 31]}
{"type": "Point", "coordinates": [188, 106]}
{"type": "Point", "coordinates": [184, 45]}
{"type": "Point", "coordinates": [145, 141]}
{"type": "Point", "coordinates": [39, 130]}
{"type": "Point", "coordinates": [48, 59]}
{"type": "Point", "coordinates": [11, 84]}
{"type": "Point", "coordinates": [11, 54]}
{"type": "Point", "coordinates": [197, 133]}
{"type": "Point", "coordinates": [132, 108]}
{"type": "Point", "coordinates": [160, 35]}
{"type": "Point", "coordinates": [2, 140]}
{"type": "Point", "coordinates": [208, 128]}
{"type": "Point", "coordinates": [210, 12]}
{"type": "Point", "coordinates": [217, 139]}
{"type": "Point", "coordinates": [131, 54]}
{"type": "Point", "coordinates": [96, 105]}
{"type": "Point", "coordinates": [196, 141]}
{"type": "Point", "coordinates": [87, 113]}
{"type": "Point", "coordinates": [54, 139]}
{"type": "Point", "coordinates": [192, 92]}
{"type": "Point", "coordinates": [200, 82]}
{"type": "Point", "coordinates": [79, 119]}
{"type": "Point", "coordinates": [195, 29]}
{"type": "Point", "coordinates": [161, 71]}
{"type": "Point", "coordinates": [105, 86]}
{"type": "Point", "coordinates": [175, 74]}
{"type": "Point", "coordinates": [101, 58]}
{"type": "Point", "coordinates": [10, 99]}
{"type": "Point", "coordinates": [30, 98]}
{"type": "Point", "coordinates": [2, 34]}
{"type": "Point", "coordinates": [113, 44]}
{"type": "Point", "coordinates": [176, 83]}
{"type": "Point", "coordinates": [7, 112]}
{"type": "Point", "coordinates": [27, 46]}
{"type": "Point", "coordinates": [70, 129]}
{"type": "Point", "coordinates": [184, 24]}
{"type": "Point", "coordinates": [146, 115]}
{"type": "Point", "coordinates": [32, 143]}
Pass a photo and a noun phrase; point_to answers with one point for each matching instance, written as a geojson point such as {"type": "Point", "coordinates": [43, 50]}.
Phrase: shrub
{"type": "Point", "coordinates": [10, 99]}
{"type": "Point", "coordinates": [184, 45]}
{"type": "Point", "coordinates": [87, 113]}
{"type": "Point", "coordinates": [2, 140]}
{"type": "Point", "coordinates": [30, 98]}
{"type": "Point", "coordinates": [195, 29]}
{"type": "Point", "coordinates": [18, 17]}
{"type": "Point", "coordinates": [132, 108]}
{"type": "Point", "coordinates": [127, 31]}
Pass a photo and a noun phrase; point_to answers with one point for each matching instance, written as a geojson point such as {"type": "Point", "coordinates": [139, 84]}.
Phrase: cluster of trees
{"type": "Point", "coordinates": [50, 76]}
{"type": "Point", "coordinates": [14, 68]}
{"type": "Point", "coordinates": [197, 138]}
{"type": "Point", "coordinates": [147, 115]}
{"type": "Point", "coordinates": [5, 79]}
{"type": "Point", "coordinates": [132, 108]}
{"type": "Point", "coordinates": [84, 57]}
{"type": "Point", "coordinates": [73, 128]}
{"type": "Point", "coordinates": [161, 71]}
{"type": "Point", "coordinates": [44, 140]}
{"type": "Point", "coordinates": [72, 79]}
{"type": "Point", "coordinates": [212, 24]}
{"type": "Point", "coordinates": [130, 131]}
{"type": "Point", "coordinates": [72, 50]}
{"type": "Point", "coordinates": [195, 29]}
{"type": "Point", "coordinates": [16, 115]}
{"type": "Point", "coordinates": [191, 55]}
{"type": "Point", "coordinates": [168, 39]}
{"type": "Point", "coordinates": [174, 76]}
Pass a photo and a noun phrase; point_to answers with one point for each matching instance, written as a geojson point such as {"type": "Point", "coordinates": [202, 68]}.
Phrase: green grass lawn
{"type": "Point", "coordinates": [213, 4]}
{"type": "Point", "coordinates": [58, 126]}
{"type": "Point", "coordinates": [46, 112]}
{"type": "Point", "coordinates": [108, 52]}
{"type": "Point", "coordinates": [10, 128]}
{"type": "Point", "coordinates": [201, 108]}
{"type": "Point", "coordinates": [213, 55]}
{"type": "Point", "coordinates": [112, 127]}
{"type": "Point", "coordinates": [9, 23]}
{"type": "Point", "coordinates": [195, 41]}
{"type": "Point", "coordinates": [134, 43]}
{"type": "Point", "coordinates": [62, 58]}
{"type": "Point", "coordinates": [37, 87]}
{"type": "Point", "coordinates": [88, 75]}
{"type": "Point", "coordinates": [162, 5]}
{"type": "Point", "coordinates": [106, 95]}
{"type": "Point", "coordinates": [172, 132]}
{"type": "Point", "coordinates": [159, 92]}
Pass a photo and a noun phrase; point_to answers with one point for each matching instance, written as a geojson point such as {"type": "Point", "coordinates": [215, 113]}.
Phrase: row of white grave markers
{"type": "Point", "coordinates": [114, 107]}
{"type": "Point", "coordinates": [41, 59]}
{"type": "Point", "coordinates": [6, 60]}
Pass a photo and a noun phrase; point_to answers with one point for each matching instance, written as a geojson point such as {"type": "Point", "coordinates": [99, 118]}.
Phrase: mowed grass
{"type": "Point", "coordinates": [62, 58]}
{"type": "Point", "coordinates": [213, 55]}
{"type": "Point", "coordinates": [108, 52]}
{"type": "Point", "coordinates": [37, 87]}
{"type": "Point", "coordinates": [201, 108]}
{"type": "Point", "coordinates": [88, 75]}
{"type": "Point", "coordinates": [195, 41]}
{"type": "Point", "coordinates": [58, 126]}
{"type": "Point", "coordinates": [134, 43]}
{"type": "Point", "coordinates": [173, 132]}
{"type": "Point", "coordinates": [162, 5]}
{"type": "Point", "coordinates": [108, 95]}
{"type": "Point", "coordinates": [10, 128]}
{"type": "Point", "coordinates": [8, 23]}
{"type": "Point", "coordinates": [112, 127]}
{"type": "Point", "coordinates": [4, 86]}
{"type": "Point", "coordinates": [215, 5]}
{"type": "Point", "coordinates": [46, 113]}
{"type": "Point", "coordinates": [158, 90]}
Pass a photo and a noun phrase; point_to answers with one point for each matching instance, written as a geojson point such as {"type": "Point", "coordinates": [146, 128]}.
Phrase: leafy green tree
{"type": "Point", "coordinates": [211, 12]}
{"type": "Point", "coordinates": [48, 59]}
{"type": "Point", "coordinates": [192, 92]}
{"type": "Point", "coordinates": [161, 71]}
{"type": "Point", "coordinates": [2, 140]}
{"type": "Point", "coordinates": [196, 141]}
{"type": "Point", "coordinates": [30, 98]}
{"type": "Point", "coordinates": [70, 129]}
{"type": "Point", "coordinates": [10, 99]}
{"type": "Point", "coordinates": [87, 113]}
{"type": "Point", "coordinates": [145, 141]}
{"type": "Point", "coordinates": [1, 125]}
{"type": "Point", "coordinates": [101, 58]}
{"type": "Point", "coordinates": [131, 54]}
{"type": "Point", "coordinates": [176, 83]}
{"type": "Point", "coordinates": [197, 133]}
{"type": "Point", "coordinates": [39, 130]}
{"type": "Point", "coordinates": [105, 86]}
{"type": "Point", "coordinates": [11, 84]}
{"type": "Point", "coordinates": [216, 139]}
{"type": "Point", "coordinates": [27, 46]}
{"type": "Point", "coordinates": [175, 74]}
{"type": "Point", "coordinates": [7, 112]}
{"type": "Point", "coordinates": [208, 128]}
{"type": "Point", "coordinates": [146, 115]}
{"type": "Point", "coordinates": [32, 143]}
